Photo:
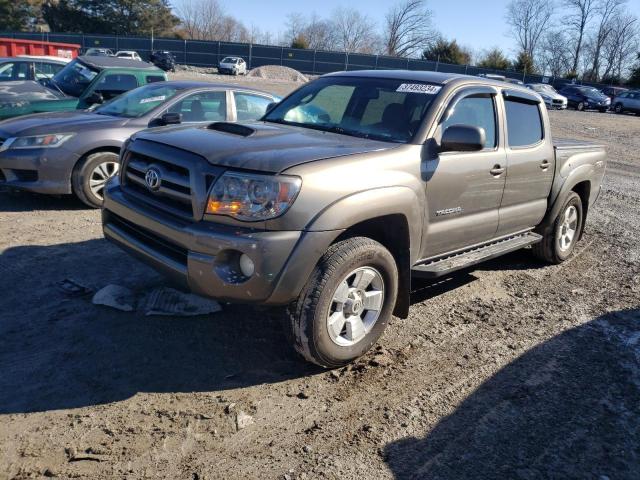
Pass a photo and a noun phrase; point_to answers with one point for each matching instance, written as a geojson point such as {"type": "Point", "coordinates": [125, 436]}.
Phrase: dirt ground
{"type": "Point", "coordinates": [514, 370]}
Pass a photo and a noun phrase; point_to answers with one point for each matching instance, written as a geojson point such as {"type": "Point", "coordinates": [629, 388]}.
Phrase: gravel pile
{"type": "Point", "coordinates": [276, 72]}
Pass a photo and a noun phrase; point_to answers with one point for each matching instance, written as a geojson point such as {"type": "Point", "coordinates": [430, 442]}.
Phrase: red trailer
{"type": "Point", "coordinates": [11, 47]}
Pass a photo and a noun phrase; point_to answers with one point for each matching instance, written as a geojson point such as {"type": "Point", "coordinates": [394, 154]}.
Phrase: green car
{"type": "Point", "coordinates": [84, 82]}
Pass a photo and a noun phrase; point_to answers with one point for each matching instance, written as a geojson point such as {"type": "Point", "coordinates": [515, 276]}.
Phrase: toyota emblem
{"type": "Point", "coordinates": [152, 178]}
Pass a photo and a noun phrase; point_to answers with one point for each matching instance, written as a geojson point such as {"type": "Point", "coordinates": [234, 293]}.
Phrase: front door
{"type": "Point", "coordinates": [464, 189]}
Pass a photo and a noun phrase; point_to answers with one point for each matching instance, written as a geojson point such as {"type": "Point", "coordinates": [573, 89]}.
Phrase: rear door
{"type": "Point", "coordinates": [530, 162]}
{"type": "Point", "coordinates": [464, 189]}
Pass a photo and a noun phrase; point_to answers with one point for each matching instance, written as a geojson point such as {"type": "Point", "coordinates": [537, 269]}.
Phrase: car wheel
{"type": "Point", "coordinates": [346, 304]}
{"type": "Point", "coordinates": [559, 240]}
{"type": "Point", "coordinates": [580, 106]}
{"type": "Point", "coordinates": [91, 175]}
{"type": "Point", "coordinates": [618, 108]}
{"type": "Point", "coordinates": [602, 110]}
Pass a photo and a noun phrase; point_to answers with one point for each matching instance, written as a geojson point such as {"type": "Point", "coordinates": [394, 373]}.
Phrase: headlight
{"type": "Point", "coordinates": [252, 198]}
{"type": "Point", "coordinates": [39, 141]}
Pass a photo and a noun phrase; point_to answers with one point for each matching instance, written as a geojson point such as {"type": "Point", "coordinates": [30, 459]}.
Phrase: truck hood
{"type": "Point", "coordinates": [270, 147]}
{"type": "Point", "coordinates": [58, 122]}
{"type": "Point", "coordinates": [26, 91]}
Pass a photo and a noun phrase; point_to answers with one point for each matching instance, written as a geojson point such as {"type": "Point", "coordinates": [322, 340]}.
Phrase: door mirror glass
{"type": "Point", "coordinates": [95, 97]}
{"type": "Point", "coordinates": [463, 138]}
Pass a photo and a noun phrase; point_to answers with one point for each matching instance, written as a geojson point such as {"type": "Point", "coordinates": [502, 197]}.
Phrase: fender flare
{"type": "Point", "coordinates": [580, 174]}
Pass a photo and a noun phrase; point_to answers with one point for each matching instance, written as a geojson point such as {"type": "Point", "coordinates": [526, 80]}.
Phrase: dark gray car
{"type": "Point", "coordinates": [77, 152]}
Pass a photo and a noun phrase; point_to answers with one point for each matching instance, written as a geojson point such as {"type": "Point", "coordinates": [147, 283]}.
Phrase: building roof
{"type": "Point", "coordinates": [101, 63]}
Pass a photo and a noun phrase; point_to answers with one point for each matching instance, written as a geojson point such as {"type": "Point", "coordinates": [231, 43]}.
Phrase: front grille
{"type": "Point", "coordinates": [174, 192]}
{"type": "Point", "coordinates": [557, 102]}
{"type": "Point", "coordinates": [150, 239]}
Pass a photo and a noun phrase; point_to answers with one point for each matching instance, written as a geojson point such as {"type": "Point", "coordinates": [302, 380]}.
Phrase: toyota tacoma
{"type": "Point", "coordinates": [346, 190]}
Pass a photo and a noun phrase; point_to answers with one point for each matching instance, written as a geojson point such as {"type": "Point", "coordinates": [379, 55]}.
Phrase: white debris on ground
{"type": "Point", "coordinates": [243, 420]}
{"type": "Point", "coordinates": [160, 301]}
{"type": "Point", "coordinates": [116, 296]}
{"type": "Point", "coordinates": [277, 72]}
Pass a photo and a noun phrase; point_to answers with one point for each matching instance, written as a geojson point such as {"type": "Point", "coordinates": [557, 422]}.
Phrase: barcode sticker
{"type": "Point", "coordinates": [419, 88]}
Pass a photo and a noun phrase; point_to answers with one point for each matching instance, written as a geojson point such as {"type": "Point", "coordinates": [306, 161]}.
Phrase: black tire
{"type": "Point", "coordinates": [82, 176]}
{"type": "Point", "coordinates": [618, 108]}
{"type": "Point", "coordinates": [307, 316]}
{"type": "Point", "coordinates": [549, 248]}
{"type": "Point", "coordinates": [603, 110]}
{"type": "Point", "coordinates": [580, 107]}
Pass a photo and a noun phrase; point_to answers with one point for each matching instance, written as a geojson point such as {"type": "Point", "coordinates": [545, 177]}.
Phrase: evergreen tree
{"type": "Point", "coordinates": [15, 14]}
{"type": "Point", "coordinates": [447, 52]}
{"type": "Point", "coordinates": [494, 59]}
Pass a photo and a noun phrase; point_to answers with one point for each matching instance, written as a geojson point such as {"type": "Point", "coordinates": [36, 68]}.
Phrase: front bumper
{"type": "Point", "coordinates": [203, 256]}
{"type": "Point", "coordinates": [41, 170]}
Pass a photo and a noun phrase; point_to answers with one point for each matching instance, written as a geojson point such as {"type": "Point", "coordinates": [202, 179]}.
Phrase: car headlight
{"type": "Point", "coordinates": [250, 197]}
{"type": "Point", "coordinates": [38, 141]}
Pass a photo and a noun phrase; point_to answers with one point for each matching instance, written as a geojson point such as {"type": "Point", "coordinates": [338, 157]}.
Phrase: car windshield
{"type": "Point", "coordinates": [381, 109]}
{"type": "Point", "coordinates": [229, 60]}
{"type": "Point", "coordinates": [74, 78]}
{"type": "Point", "coordinates": [138, 102]}
{"type": "Point", "coordinates": [590, 91]}
{"type": "Point", "coordinates": [544, 88]}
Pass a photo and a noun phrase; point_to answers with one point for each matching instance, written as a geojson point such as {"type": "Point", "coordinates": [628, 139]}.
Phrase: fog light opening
{"type": "Point", "coordinates": [247, 267]}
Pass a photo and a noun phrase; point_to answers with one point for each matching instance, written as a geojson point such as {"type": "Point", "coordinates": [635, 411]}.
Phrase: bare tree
{"type": "Point", "coordinates": [353, 30]}
{"type": "Point", "coordinates": [408, 28]}
{"type": "Point", "coordinates": [320, 33]}
{"type": "Point", "coordinates": [582, 12]}
{"type": "Point", "coordinates": [622, 44]}
{"type": "Point", "coordinates": [201, 19]}
{"type": "Point", "coordinates": [529, 20]}
{"type": "Point", "coordinates": [555, 57]}
{"type": "Point", "coordinates": [607, 10]}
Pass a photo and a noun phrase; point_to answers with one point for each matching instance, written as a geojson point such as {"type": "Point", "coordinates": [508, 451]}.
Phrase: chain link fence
{"type": "Point", "coordinates": [200, 53]}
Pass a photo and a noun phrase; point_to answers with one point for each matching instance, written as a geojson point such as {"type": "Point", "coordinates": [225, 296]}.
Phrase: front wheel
{"type": "Point", "coordinates": [618, 108]}
{"type": "Point", "coordinates": [559, 241]}
{"type": "Point", "coordinates": [346, 304]}
{"type": "Point", "coordinates": [91, 175]}
{"type": "Point", "coordinates": [580, 106]}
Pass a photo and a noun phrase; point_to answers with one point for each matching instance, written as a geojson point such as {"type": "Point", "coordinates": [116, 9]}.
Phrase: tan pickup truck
{"type": "Point", "coordinates": [348, 188]}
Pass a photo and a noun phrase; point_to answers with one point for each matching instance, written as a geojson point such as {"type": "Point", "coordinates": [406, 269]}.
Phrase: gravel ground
{"type": "Point", "coordinates": [515, 370]}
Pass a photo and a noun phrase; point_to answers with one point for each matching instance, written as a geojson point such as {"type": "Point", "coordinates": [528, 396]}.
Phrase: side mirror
{"type": "Point", "coordinates": [270, 107]}
{"type": "Point", "coordinates": [166, 119]}
{"type": "Point", "coordinates": [95, 98]}
{"type": "Point", "coordinates": [462, 138]}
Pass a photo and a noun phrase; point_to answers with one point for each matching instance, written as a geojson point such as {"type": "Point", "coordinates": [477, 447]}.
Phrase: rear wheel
{"type": "Point", "coordinates": [346, 304]}
{"type": "Point", "coordinates": [91, 175]}
{"type": "Point", "coordinates": [580, 106]}
{"type": "Point", "coordinates": [559, 241]}
{"type": "Point", "coordinates": [618, 108]}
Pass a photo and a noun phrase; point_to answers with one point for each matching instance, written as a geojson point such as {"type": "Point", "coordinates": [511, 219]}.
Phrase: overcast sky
{"type": "Point", "coordinates": [475, 23]}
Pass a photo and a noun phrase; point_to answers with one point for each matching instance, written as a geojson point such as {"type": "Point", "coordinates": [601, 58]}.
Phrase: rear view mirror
{"type": "Point", "coordinates": [166, 119]}
{"type": "Point", "coordinates": [462, 138]}
{"type": "Point", "coordinates": [270, 107]}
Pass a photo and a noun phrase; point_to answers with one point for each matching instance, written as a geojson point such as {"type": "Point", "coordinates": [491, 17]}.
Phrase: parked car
{"type": "Point", "coordinates": [396, 174]}
{"type": "Point", "coordinates": [164, 60]}
{"type": "Point", "coordinates": [613, 92]}
{"type": "Point", "coordinates": [627, 102]}
{"type": "Point", "coordinates": [232, 66]}
{"type": "Point", "coordinates": [18, 69]}
{"type": "Point", "coordinates": [83, 82]}
{"type": "Point", "coordinates": [582, 98]}
{"type": "Point", "coordinates": [81, 148]}
{"type": "Point", "coordinates": [98, 52]}
{"type": "Point", "coordinates": [551, 97]}
{"type": "Point", "coordinates": [130, 54]}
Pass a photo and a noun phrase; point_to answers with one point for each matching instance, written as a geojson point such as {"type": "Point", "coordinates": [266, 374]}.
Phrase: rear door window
{"type": "Point", "coordinates": [114, 84]}
{"type": "Point", "coordinates": [154, 78]}
{"type": "Point", "coordinates": [524, 124]}
{"type": "Point", "coordinates": [475, 111]}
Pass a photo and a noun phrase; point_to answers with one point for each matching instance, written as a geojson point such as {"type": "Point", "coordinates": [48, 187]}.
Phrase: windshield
{"type": "Point", "coordinates": [590, 91]}
{"type": "Point", "coordinates": [229, 60]}
{"type": "Point", "coordinates": [74, 78]}
{"type": "Point", "coordinates": [544, 88]}
{"type": "Point", "coordinates": [381, 109]}
{"type": "Point", "coordinates": [138, 102]}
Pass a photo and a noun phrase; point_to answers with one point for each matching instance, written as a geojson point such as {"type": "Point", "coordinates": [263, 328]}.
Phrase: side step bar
{"type": "Point", "coordinates": [438, 268]}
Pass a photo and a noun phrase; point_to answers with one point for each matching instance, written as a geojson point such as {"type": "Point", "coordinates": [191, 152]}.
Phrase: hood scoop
{"type": "Point", "coordinates": [232, 128]}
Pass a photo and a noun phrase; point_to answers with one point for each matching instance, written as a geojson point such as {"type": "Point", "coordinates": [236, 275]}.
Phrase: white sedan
{"type": "Point", "coordinates": [130, 54]}
{"type": "Point", "coordinates": [551, 97]}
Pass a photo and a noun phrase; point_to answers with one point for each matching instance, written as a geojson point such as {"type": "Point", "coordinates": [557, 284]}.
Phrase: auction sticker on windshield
{"type": "Point", "coordinates": [159, 98]}
{"type": "Point", "coordinates": [419, 88]}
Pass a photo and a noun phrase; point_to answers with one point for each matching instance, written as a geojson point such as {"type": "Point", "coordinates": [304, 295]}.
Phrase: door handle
{"type": "Point", "coordinates": [544, 165]}
{"type": "Point", "coordinates": [497, 170]}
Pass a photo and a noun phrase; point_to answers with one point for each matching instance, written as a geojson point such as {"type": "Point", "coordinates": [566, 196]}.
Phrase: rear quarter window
{"type": "Point", "coordinates": [524, 124]}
